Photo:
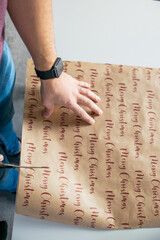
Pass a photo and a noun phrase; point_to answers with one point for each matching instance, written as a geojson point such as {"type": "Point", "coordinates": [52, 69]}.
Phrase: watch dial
{"type": "Point", "coordinates": [59, 67]}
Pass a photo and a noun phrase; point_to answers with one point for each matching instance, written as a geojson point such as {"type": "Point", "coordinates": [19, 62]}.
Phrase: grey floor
{"type": "Point", "coordinates": [20, 55]}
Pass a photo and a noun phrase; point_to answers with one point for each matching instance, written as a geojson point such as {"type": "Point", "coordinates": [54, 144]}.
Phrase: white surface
{"type": "Point", "coordinates": [113, 31]}
{"type": "Point", "coordinates": [26, 228]}
{"type": "Point", "coordinates": [106, 31]}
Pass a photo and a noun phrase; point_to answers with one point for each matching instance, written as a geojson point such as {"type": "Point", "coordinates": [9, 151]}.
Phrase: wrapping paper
{"type": "Point", "coordinates": [105, 175]}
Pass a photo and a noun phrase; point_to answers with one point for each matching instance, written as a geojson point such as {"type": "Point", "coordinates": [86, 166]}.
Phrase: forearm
{"type": "Point", "coordinates": [34, 21]}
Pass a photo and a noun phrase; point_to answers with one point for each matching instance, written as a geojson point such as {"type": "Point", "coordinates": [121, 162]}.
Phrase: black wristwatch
{"type": "Point", "coordinates": [54, 72]}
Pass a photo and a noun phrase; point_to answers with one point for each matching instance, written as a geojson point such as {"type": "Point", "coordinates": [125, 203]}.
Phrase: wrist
{"type": "Point", "coordinates": [51, 81]}
{"type": "Point", "coordinates": [44, 64]}
{"type": "Point", "coordinates": [53, 72]}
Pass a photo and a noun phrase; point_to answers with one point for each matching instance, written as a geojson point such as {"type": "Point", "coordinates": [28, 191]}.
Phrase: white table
{"type": "Point", "coordinates": [114, 31]}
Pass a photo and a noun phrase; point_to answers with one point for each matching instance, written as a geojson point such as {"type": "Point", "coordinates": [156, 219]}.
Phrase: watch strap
{"type": "Point", "coordinates": [54, 72]}
{"type": "Point", "coordinates": [46, 74]}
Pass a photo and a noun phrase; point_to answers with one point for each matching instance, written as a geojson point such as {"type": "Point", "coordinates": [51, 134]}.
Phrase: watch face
{"type": "Point", "coordinates": [58, 67]}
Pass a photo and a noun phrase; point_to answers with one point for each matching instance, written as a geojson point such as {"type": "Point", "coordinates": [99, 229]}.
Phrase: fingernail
{"type": "Point", "coordinates": [92, 121]}
{"type": "Point", "coordinates": [1, 157]}
{"type": "Point", "coordinates": [100, 112]}
{"type": "Point", "coordinates": [98, 98]}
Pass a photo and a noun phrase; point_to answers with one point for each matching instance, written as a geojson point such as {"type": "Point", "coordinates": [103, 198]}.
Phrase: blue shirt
{"type": "Point", "coordinates": [7, 79]}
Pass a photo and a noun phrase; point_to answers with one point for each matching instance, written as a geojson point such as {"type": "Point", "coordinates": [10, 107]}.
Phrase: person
{"type": "Point", "coordinates": [34, 22]}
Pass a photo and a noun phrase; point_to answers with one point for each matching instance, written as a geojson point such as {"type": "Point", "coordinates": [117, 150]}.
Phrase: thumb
{"type": "Point", "coordinates": [48, 111]}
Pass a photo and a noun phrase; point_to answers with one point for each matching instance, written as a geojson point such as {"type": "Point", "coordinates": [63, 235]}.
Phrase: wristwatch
{"type": "Point", "coordinates": [54, 72]}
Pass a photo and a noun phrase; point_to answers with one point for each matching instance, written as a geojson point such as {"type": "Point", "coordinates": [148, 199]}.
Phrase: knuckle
{"type": "Point", "coordinates": [82, 115]}
{"type": "Point", "coordinates": [44, 102]}
{"type": "Point", "coordinates": [80, 89]}
{"type": "Point", "coordinates": [76, 92]}
{"type": "Point", "coordinates": [90, 103]}
{"type": "Point", "coordinates": [95, 96]}
{"type": "Point", "coordinates": [79, 83]}
{"type": "Point", "coordinates": [88, 91]}
{"type": "Point", "coordinates": [80, 112]}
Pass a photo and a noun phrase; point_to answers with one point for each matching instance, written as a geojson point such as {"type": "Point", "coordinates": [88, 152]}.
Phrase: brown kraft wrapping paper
{"type": "Point", "coordinates": [105, 175]}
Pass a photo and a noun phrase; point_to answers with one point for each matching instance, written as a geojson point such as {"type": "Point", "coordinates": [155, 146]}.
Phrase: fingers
{"type": "Point", "coordinates": [84, 84]}
{"type": "Point", "coordinates": [48, 111]}
{"type": "Point", "coordinates": [89, 103]}
{"type": "Point", "coordinates": [1, 157]}
{"type": "Point", "coordinates": [89, 94]}
{"type": "Point", "coordinates": [82, 113]}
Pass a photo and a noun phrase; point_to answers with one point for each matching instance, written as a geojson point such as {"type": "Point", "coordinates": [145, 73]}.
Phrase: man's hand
{"type": "Point", "coordinates": [69, 92]}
